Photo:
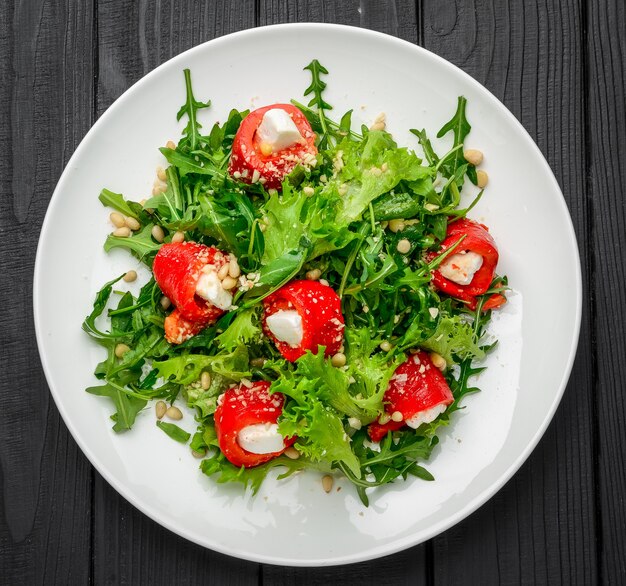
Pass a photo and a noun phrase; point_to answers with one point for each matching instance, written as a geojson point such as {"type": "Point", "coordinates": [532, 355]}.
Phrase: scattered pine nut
{"type": "Point", "coordinates": [123, 232]}
{"type": "Point", "coordinates": [160, 408]}
{"type": "Point", "coordinates": [313, 274]}
{"type": "Point", "coordinates": [223, 272]}
{"type": "Point", "coordinates": [355, 423]}
{"type": "Point", "coordinates": [308, 190]}
{"type": "Point", "coordinates": [165, 302]}
{"type": "Point", "coordinates": [132, 223]}
{"type": "Point", "coordinates": [384, 419]}
{"type": "Point", "coordinates": [233, 268]}
{"type": "Point", "coordinates": [229, 283]}
{"type": "Point", "coordinates": [379, 122]}
{"type": "Point", "coordinates": [324, 282]}
{"type": "Point", "coordinates": [170, 144]}
{"type": "Point", "coordinates": [397, 416]}
{"type": "Point", "coordinates": [327, 483]}
{"type": "Point", "coordinates": [404, 246]}
{"type": "Point", "coordinates": [198, 455]}
{"type": "Point", "coordinates": [121, 349]}
{"type": "Point", "coordinates": [266, 149]}
{"type": "Point", "coordinates": [385, 346]}
{"type": "Point", "coordinates": [473, 156]}
{"type": "Point", "coordinates": [117, 219]}
{"type": "Point", "coordinates": [292, 453]}
{"type": "Point", "coordinates": [481, 179]}
{"type": "Point", "coordinates": [178, 237]}
{"type": "Point", "coordinates": [258, 362]}
{"type": "Point", "coordinates": [174, 413]}
{"type": "Point", "coordinates": [157, 233]}
{"type": "Point", "coordinates": [438, 360]}
{"type": "Point", "coordinates": [396, 225]}
{"type": "Point", "coordinates": [338, 360]}
{"type": "Point", "coordinates": [130, 276]}
{"type": "Point", "coordinates": [161, 174]}
{"type": "Point", "coordinates": [158, 189]}
{"type": "Point", "coordinates": [205, 380]}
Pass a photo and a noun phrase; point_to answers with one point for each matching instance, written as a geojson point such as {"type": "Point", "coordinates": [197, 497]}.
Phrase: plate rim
{"type": "Point", "coordinates": [398, 544]}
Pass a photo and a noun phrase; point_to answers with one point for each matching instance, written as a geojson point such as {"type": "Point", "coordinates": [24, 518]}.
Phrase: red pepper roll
{"type": "Point", "coordinates": [177, 269]}
{"type": "Point", "coordinates": [246, 417]}
{"type": "Point", "coordinates": [417, 393]}
{"type": "Point", "coordinates": [477, 244]}
{"type": "Point", "coordinates": [254, 160]}
{"type": "Point", "coordinates": [179, 330]}
{"type": "Point", "coordinates": [303, 315]}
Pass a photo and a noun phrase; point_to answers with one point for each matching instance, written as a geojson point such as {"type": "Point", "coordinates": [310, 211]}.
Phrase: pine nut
{"type": "Point", "coordinates": [397, 416]}
{"type": "Point", "coordinates": [133, 223]}
{"type": "Point", "coordinates": [160, 408]}
{"type": "Point", "coordinates": [379, 122]}
{"type": "Point", "coordinates": [223, 272]}
{"type": "Point", "coordinates": [404, 246]}
{"type": "Point", "coordinates": [234, 271]}
{"type": "Point", "coordinates": [117, 219]}
{"type": "Point", "coordinates": [158, 189]}
{"type": "Point", "coordinates": [308, 191]}
{"type": "Point", "coordinates": [229, 283]}
{"type": "Point", "coordinates": [385, 346]}
{"type": "Point", "coordinates": [473, 156]}
{"type": "Point", "coordinates": [438, 361]}
{"type": "Point", "coordinates": [205, 380]}
{"type": "Point", "coordinates": [396, 225]}
{"type": "Point", "coordinates": [384, 419]}
{"type": "Point", "coordinates": [355, 423]}
{"type": "Point", "coordinates": [198, 455]}
{"type": "Point", "coordinates": [338, 360]}
{"type": "Point", "coordinates": [257, 362]}
{"type": "Point", "coordinates": [178, 237]}
{"type": "Point", "coordinates": [123, 232]}
{"type": "Point", "coordinates": [121, 349]}
{"type": "Point", "coordinates": [292, 453]}
{"type": "Point", "coordinates": [324, 282]}
{"type": "Point", "coordinates": [327, 483]}
{"type": "Point", "coordinates": [313, 274]}
{"type": "Point", "coordinates": [266, 149]}
{"type": "Point", "coordinates": [170, 145]}
{"type": "Point", "coordinates": [174, 413]}
{"type": "Point", "coordinates": [161, 174]}
{"type": "Point", "coordinates": [130, 276]}
{"type": "Point", "coordinates": [165, 302]}
{"type": "Point", "coordinates": [157, 233]}
{"type": "Point", "coordinates": [482, 179]}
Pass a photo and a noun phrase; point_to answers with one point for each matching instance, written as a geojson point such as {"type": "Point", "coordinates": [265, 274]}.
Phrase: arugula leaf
{"type": "Point", "coordinates": [317, 88]}
{"type": "Point", "coordinates": [190, 108]}
{"type": "Point", "coordinates": [141, 244]}
{"type": "Point", "coordinates": [127, 407]}
{"type": "Point", "coordinates": [117, 201]}
{"type": "Point", "coordinates": [100, 302]}
{"type": "Point", "coordinates": [176, 433]}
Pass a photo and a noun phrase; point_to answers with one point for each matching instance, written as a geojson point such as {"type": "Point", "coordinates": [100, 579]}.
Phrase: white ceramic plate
{"type": "Point", "coordinates": [294, 522]}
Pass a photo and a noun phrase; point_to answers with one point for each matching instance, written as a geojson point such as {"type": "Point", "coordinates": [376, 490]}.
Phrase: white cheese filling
{"type": "Point", "coordinates": [286, 326]}
{"type": "Point", "coordinates": [461, 267]}
{"type": "Point", "coordinates": [425, 416]}
{"type": "Point", "coordinates": [209, 287]}
{"type": "Point", "coordinates": [278, 130]}
{"type": "Point", "coordinates": [261, 438]}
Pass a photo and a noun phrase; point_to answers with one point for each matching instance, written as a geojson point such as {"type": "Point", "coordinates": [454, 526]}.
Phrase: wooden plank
{"type": "Point", "coordinates": [606, 51]}
{"type": "Point", "coordinates": [133, 38]}
{"type": "Point", "coordinates": [45, 109]}
{"type": "Point", "coordinates": [410, 566]}
{"type": "Point", "coordinates": [540, 527]}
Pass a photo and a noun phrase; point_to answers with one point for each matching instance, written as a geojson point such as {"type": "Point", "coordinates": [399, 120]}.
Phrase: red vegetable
{"type": "Point", "coordinates": [177, 268]}
{"type": "Point", "coordinates": [240, 407]}
{"type": "Point", "coordinates": [320, 310]}
{"type": "Point", "coordinates": [417, 385]}
{"type": "Point", "coordinates": [247, 156]}
{"type": "Point", "coordinates": [477, 239]}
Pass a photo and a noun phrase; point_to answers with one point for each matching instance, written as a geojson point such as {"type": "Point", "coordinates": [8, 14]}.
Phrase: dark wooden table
{"type": "Point", "coordinates": [560, 66]}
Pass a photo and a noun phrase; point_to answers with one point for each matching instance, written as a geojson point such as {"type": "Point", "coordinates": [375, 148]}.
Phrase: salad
{"type": "Point", "coordinates": [318, 297]}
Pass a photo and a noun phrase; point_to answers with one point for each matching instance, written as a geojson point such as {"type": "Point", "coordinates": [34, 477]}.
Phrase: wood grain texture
{"type": "Point", "coordinates": [134, 38]}
{"type": "Point", "coordinates": [540, 528]}
{"type": "Point", "coordinates": [606, 50]}
{"type": "Point", "coordinates": [45, 109]}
